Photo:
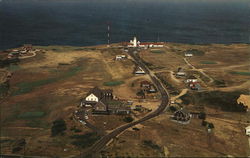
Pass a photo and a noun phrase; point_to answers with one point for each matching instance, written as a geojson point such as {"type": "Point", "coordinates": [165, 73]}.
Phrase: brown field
{"type": "Point", "coordinates": [66, 77]}
{"type": "Point", "coordinates": [182, 140]}
{"type": "Point", "coordinates": [54, 81]}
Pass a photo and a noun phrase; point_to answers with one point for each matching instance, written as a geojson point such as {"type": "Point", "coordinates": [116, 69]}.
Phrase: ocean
{"type": "Point", "coordinates": [84, 22]}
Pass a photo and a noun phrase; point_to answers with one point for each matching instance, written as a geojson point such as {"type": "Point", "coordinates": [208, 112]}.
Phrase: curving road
{"type": "Point", "coordinates": [96, 148]}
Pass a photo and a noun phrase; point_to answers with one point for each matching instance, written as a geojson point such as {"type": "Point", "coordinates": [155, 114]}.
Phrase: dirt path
{"type": "Point", "coordinates": [3, 74]}
{"type": "Point", "coordinates": [172, 76]}
{"type": "Point", "coordinates": [25, 57]}
{"type": "Point", "coordinates": [183, 92]}
{"type": "Point", "coordinates": [200, 70]}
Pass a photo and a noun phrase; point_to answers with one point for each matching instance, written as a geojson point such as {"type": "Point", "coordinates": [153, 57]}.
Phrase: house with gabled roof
{"type": "Point", "coordinates": [102, 102]}
{"type": "Point", "coordinates": [138, 70]}
{"type": "Point", "coordinates": [96, 94]}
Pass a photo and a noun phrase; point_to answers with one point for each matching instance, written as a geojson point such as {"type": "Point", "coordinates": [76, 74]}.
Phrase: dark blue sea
{"type": "Point", "coordinates": [84, 22]}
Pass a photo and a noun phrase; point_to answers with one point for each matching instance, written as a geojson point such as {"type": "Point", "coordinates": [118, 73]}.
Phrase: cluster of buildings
{"type": "Point", "coordinates": [148, 87]}
{"type": "Point", "coordinates": [191, 81]}
{"type": "Point", "coordinates": [137, 44]}
{"type": "Point", "coordinates": [101, 101]}
{"type": "Point", "coordinates": [26, 48]}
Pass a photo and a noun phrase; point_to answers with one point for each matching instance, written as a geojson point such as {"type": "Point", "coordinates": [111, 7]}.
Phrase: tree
{"type": "Point", "coordinates": [128, 119]}
{"type": "Point", "coordinates": [172, 108]}
{"type": "Point", "coordinates": [141, 94]}
{"type": "Point", "coordinates": [210, 125]}
{"type": "Point", "coordinates": [204, 123]}
{"type": "Point", "coordinates": [58, 127]}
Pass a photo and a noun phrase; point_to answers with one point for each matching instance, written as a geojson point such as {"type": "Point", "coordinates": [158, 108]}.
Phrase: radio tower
{"type": "Point", "coordinates": [108, 35]}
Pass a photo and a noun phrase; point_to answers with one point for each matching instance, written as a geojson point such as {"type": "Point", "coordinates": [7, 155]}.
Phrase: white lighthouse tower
{"type": "Point", "coordinates": [133, 43]}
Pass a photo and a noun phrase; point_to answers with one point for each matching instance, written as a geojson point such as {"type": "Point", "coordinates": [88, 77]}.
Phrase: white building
{"type": "Point", "coordinates": [133, 43]}
{"type": "Point", "coordinates": [139, 70]}
{"type": "Point", "coordinates": [120, 57]}
{"type": "Point", "coordinates": [188, 54]}
{"type": "Point", "coordinates": [180, 73]}
{"type": "Point", "coordinates": [191, 79]}
{"type": "Point", "coordinates": [247, 129]}
{"type": "Point", "coordinates": [92, 97]}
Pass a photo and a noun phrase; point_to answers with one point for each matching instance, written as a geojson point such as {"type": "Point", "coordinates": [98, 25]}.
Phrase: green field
{"type": "Point", "coordinates": [113, 83]}
{"type": "Point", "coordinates": [26, 87]}
{"type": "Point", "coordinates": [85, 140]}
{"type": "Point", "coordinates": [208, 62]}
{"type": "Point", "coordinates": [13, 67]}
{"type": "Point", "coordinates": [240, 73]}
{"type": "Point", "coordinates": [31, 115]}
{"type": "Point", "coordinates": [61, 49]}
{"type": "Point", "coordinates": [157, 51]}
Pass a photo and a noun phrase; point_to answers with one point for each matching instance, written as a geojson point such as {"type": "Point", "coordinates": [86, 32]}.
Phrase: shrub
{"type": "Point", "coordinates": [210, 125]}
{"type": "Point", "coordinates": [58, 127]}
{"type": "Point", "coordinates": [172, 108]}
{"type": "Point", "coordinates": [128, 119]}
{"type": "Point", "coordinates": [204, 123]}
{"type": "Point", "coordinates": [149, 143]}
{"type": "Point", "coordinates": [85, 140]}
{"type": "Point", "coordinates": [226, 101]}
{"type": "Point", "coordinates": [202, 115]}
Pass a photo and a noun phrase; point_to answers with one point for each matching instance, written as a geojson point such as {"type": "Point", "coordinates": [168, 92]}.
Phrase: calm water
{"type": "Point", "coordinates": [84, 22]}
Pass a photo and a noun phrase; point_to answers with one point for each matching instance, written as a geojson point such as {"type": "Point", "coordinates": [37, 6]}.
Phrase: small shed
{"type": "Point", "coordinates": [247, 130]}
{"type": "Point", "coordinates": [191, 79]}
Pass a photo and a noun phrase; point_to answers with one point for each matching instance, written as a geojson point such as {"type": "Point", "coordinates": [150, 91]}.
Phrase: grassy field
{"type": "Point", "coordinates": [157, 51]}
{"type": "Point", "coordinates": [240, 73]}
{"type": "Point", "coordinates": [49, 87]}
{"type": "Point", "coordinates": [31, 115]}
{"type": "Point", "coordinates": [26, 87]}
{"type": "Point", "coordinates": [208, 62]}
{"type": "Point", "coordinates": [85, 140]}
{"type": "Point", "coordinates": [113, 83]}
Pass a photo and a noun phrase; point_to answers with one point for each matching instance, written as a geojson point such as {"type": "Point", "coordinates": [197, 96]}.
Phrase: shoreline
{"type": "Point", "coordinates": [120, 44]}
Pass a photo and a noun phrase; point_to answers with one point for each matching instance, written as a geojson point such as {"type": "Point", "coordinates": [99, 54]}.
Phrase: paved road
{"type": "Point", "coordinates": [98, 146]}
{"type": "Point", "coordinates": [80, 116]}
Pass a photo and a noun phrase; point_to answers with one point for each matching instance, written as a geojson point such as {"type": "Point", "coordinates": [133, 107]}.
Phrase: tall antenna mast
{"type": "Point", "coordinates": [108, 34]}
{"type": "Point", "coordinates": [158, 38]}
